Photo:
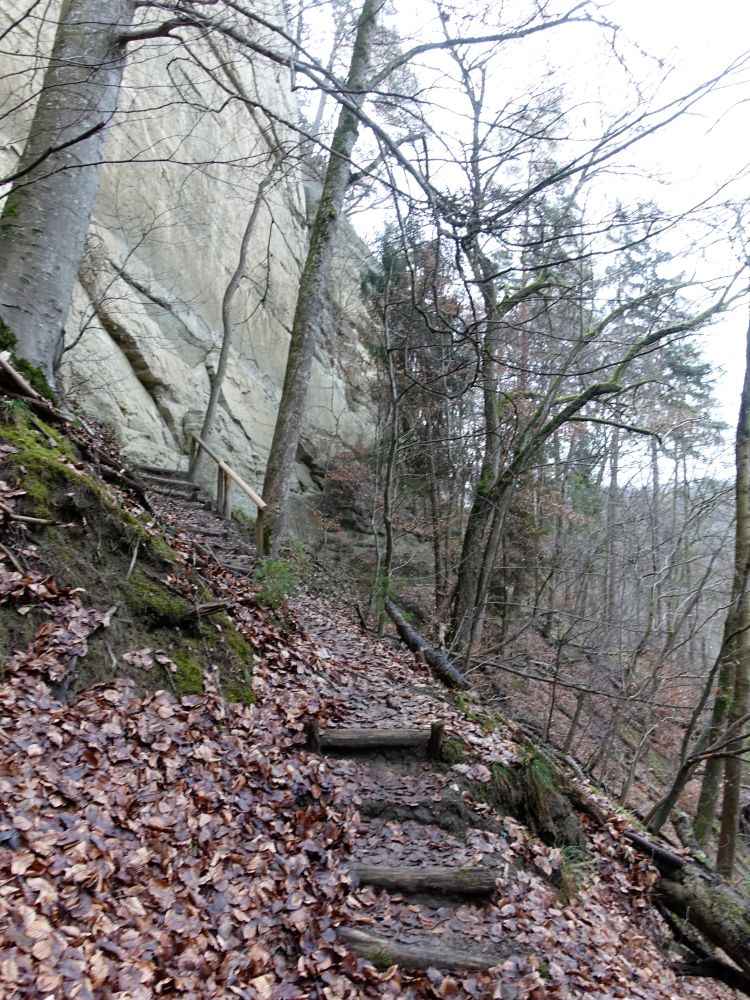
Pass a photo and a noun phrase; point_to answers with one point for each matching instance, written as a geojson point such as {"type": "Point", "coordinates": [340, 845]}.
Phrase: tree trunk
{"type": "Point", "coordinates": [313, 283]}
{"type": "Point", "coordinates": [482, 508]}
{"type": "Point", "coordinates": [47, 213]}
{"type": "Point", "coordinates": [740, 690]}
{"type": "Point", "coordinates": [227, 329]}
{"type": "Point", "coordinates": [438, 662]}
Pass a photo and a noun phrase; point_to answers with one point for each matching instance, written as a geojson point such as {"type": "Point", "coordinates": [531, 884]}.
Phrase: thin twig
{"type": "Point", "coordinates": [11, 558]}
{"type": "Point", "coordinates": [23, 518]}
{"type": "Point", "coordinates": [131, 567]}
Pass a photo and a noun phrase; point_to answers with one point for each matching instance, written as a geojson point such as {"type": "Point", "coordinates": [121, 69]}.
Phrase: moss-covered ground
{"type": "Point", "coordinates": [116, 558]}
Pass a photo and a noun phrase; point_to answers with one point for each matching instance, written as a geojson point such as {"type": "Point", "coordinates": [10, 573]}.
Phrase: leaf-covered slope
{"type": "Point", "coordinates": [151, 846]}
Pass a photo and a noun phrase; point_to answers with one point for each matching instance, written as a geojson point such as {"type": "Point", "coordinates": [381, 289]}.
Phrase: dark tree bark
{"type": "Point", "coordinates": [313, 282]}
{"type": "Point", "coordinates": [739, 691]}
{"type": "Point", "coordinates": [438, 662]}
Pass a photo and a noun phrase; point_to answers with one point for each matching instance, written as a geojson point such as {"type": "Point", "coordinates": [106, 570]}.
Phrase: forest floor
{"type": "Point", "coordinates": [155, 842]}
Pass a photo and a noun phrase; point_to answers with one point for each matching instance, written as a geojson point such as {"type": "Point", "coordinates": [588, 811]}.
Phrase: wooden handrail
{"type": "Point", "coordinates": [223, 491]}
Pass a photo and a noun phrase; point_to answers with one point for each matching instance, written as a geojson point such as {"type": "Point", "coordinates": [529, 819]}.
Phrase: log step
{"type": "Point", "coordinates": [384, 952]}
{"type": "Point", "coordinates": [165, 483]}
{"type": "Point", "coordinates": [374, 740]}
{"type": "Point", "coordinates": [180, 495]}
{"type": "Point", "coordinates": [153, 470]}
{"type": "Point", "coordinates": [429, 878]}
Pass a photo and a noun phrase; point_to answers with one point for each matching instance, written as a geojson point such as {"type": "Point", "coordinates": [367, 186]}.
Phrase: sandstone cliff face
{"type": "Point", "coordinates": [184, 163]}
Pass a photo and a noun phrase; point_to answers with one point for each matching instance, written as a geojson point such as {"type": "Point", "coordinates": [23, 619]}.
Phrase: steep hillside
{"type": "Point", "coordinates": [197, 824]}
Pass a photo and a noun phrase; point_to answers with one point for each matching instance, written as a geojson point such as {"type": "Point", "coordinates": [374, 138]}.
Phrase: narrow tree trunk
{"type": "Point", "coordinates": [48, 210]}
{"type": "Point", "coordinates": [740, 693]}
{"type": "Point", "coordinates": [705, 812]}
{"type": "Point", "coordinates": [227, 329]}
{"type": "Point", "coordinates": [313, 283]}
{"type": "Point", "coordinates": [482, 508]}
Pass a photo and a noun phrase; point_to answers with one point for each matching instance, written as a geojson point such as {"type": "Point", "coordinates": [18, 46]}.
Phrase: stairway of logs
{"type": "Point", "coordinates": [395, 750]}
{"type": "Point", "coordinates": [423, 883]}
{"type": "Point", "coordinates": [172, 492]}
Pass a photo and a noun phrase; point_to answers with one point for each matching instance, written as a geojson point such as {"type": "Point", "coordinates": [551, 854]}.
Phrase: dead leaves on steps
{"type": "Point", "coordinates": [153, 848]}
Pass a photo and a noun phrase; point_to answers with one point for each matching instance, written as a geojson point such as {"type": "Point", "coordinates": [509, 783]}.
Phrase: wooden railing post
{"type": "Point", "coordinates": [260, 542]}
{"type": "Point", "coordinates": [227, 496]}
{"type": "Point", "coordinates": [225, 476]}
{"type": "Point", "coordinates": [220, 487]}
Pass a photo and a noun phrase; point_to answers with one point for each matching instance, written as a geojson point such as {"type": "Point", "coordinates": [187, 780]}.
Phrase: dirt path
{"type": "Point", "coordinates": [559, 924]}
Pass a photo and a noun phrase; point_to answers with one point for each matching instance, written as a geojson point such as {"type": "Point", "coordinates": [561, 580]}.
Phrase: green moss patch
{"type": "Point", "coordinates": [241, 694]}
{"type": "Point", "coordinates": [117, 561]}
{"type": "Point", "coordinates": [453, 751]}
{"type": "Point", "coordinates": [154, 603]}
{"type": "Point", "coordinates": [189, 676]}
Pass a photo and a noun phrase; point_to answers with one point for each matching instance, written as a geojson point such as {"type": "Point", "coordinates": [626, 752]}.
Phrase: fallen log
{"type": "Point", "coordinates": [714, 968]}
{"type": "Point", "coordinates": [384, 952]}
{"type": "Point", "coordinates": [437, 661]}
{"type": "Point", "coordinates": [429, 878]}
{"type": "Point", "coordinates": [374, 740]}
{"type": "Point", "coordinates": [697, 894]}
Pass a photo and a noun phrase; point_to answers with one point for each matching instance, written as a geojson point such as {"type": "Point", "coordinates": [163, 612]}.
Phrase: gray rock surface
{"type": "Point", "coordinates": [145, 329]}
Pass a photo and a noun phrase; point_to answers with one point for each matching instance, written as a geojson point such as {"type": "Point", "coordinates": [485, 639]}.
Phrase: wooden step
{"type": "Point", "coordinates": [385, 951]}
{"type": "Point", "coordinates": [170, 482]}
{"type": "Point", "coordinates": [374, 740]}
{"type": "Point", "coordinates": [155, 470]}
{"type": "Point", "coordinates": [183, 495]}
{"type": "Point", "coordinates": [429, 878]}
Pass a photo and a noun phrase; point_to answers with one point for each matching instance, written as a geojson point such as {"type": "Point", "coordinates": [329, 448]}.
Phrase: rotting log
{"type": "Point", "coordinates": [711, 906]}
{"type": "Point", "coordinates": [429, 878]}
{"type": "Point", "coordinates": [375, 740]}
{"type": "Point", "coordinates": [437, 661]}
{"type": "Point", "coordinates": [384, 952]}
{"type": "Point", "coordinates": [700, 896]}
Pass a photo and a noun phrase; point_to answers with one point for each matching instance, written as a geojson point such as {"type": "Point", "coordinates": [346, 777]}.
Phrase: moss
{"type": "Point", "coordinates": [453, 751]}
{"type": "Point", "coordinates": [239, 645]}
{"type": "Point", "coordinates": [35, 377]}
{"type": "Point", "coordinates": [276, 581]}
{"type": "Point", "coordinates": [189, 677]}
{"type": "Point", "coordinates": [40, 457]}
{"type": "Point", "coordinates": [7, 337]}
{"type": "Point", "coordinates": [382, 959]}
{"type": "Point", "coordinates": [154, 602]}
{"type": "Point", "coordinates": [239, 693]}
{"type": "Point", "coordinates": [154, 543]}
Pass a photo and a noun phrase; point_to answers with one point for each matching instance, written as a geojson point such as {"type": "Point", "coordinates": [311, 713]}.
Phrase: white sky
{"type": "Point", "coordinates": [699, 39]}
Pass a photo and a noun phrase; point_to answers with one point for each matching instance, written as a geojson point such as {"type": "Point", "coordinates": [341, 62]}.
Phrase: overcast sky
{"type": "Point", "coordinates": [699, 39]}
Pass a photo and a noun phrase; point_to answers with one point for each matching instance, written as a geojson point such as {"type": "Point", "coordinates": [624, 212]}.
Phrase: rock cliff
{"type": "Point", "coordinates": [186, 154]}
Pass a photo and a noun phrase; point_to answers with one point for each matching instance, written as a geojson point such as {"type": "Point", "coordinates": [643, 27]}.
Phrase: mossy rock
{"type": "Point", "coordinates": [7, 337]}
{"type": "Point", "coordinates": [534, 793]}
{"type": "Point", "coordinates": [153, 602]}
